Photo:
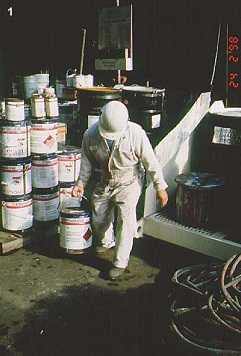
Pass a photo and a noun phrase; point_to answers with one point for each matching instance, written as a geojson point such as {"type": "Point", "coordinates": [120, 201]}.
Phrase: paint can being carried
{"type": "Point", "coordinates": [44, 170]}
{"type": "Point", "coordinates": [17, 213]}
{"type": "Point", "coordinates": [69, 158]}
{"type": "Point", "coordinates": [15, 139]}
{"type": "Point", "coordinates": [15, 177]}
{"type": "Point", "coordinates": [75, 230]}
{"type": "Point", "coordinates": [14, 109]}
{"type": "Point", "coordinates": [46, 204]}
{"type": "Point", "coordinates": [44, 136]}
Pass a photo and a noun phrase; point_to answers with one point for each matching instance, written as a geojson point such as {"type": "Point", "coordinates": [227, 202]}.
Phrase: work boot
{"type": "Point", "coordinates": [99, 250]}
{"type": "Point", "coordinates": [102, 249]}
{"type": "Point", "coordinates": [115, 273]}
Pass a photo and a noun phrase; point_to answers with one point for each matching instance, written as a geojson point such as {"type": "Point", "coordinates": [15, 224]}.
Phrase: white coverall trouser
{"type": "Point", "coordinates": [125, 198]}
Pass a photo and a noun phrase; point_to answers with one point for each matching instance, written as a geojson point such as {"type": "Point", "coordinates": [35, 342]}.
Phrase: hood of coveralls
{"type": "Point", "coordinates": [113, 120]}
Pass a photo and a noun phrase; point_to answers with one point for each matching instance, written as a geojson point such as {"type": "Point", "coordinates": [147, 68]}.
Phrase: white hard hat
{"type": "Point", "coordinates": [113, 120]}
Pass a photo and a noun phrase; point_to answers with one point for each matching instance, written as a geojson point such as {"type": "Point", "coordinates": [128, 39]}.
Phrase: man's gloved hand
{"type": "Point", "coordinates": [78, 189]}
{"type": "Point", "coordinates": [162, 196]}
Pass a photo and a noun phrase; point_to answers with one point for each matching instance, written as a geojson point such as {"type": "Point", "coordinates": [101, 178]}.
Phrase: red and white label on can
{"type": "Point", "coordinates": [44, 138]}
{"type": "Point", "coordinates": [16, 180]}
{"type": "Point", "coordinates": [17, 215]}
{"type": "Point", "coordinates": [45, 173]}
{"type": "Point", "coordinates": [69, 167]}
{"type": "Point", "coordinates": [15, 142]}
{"type": "Point", "coordinates": [75, 234]}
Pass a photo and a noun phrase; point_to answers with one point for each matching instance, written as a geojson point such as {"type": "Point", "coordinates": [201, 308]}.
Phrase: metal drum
{"type": "Point", "coordinates": [145, 105]}
{"type": "Point", "coordinates": [17, 213]}
{"type": "Point", "coordinates": [90, 101]}
{"type": "Point", "coordinates": [15, 177]}
{"type": "Point", "coordinates": [200, 200]}
{"type": "Point", "coordinates": [225, 156]}
{"type": "Point", "coordinates": [75, 230]}
{"type": "Point", "coordinates": [226, 124]}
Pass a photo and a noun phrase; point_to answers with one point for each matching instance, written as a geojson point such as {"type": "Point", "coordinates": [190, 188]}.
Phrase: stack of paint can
{"type": "Point", "coordinates": [44, 131]}
{"type": "Point", "coordinates": [15, 169]}
{"type": "Point", "coordinates": [69, 158]}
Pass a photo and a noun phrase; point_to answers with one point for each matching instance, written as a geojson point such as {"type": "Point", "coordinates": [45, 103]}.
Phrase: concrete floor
{"type": "Point", "coordinates": [54, 304]}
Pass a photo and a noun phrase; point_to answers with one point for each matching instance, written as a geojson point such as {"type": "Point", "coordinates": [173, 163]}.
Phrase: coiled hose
{"type": "Point", "coordinates": [206, 306]}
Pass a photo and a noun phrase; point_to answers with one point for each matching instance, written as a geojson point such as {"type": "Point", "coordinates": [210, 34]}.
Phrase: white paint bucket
{"type": "Point", "coordinates": [69, 164]}
{"type": "Point", "coordinates": [78, 81]}
{"type": "Point", "coordinates": [51, 107]}
{"type": "Point", "coordinates": [46, 204]}
{"type": "Point", "coordinates": [65, 196]}
{"type": "Point", "coordinates": [17, 214]}
{"type": "Point", "coordinates": [16, 177]}
{"type": "Point", "coordinates": [44, 136]}
{"type": "Point", "coordinates": [30, 86]}
{"type": "Point", "coordinates": [35, 83]}
{"type": "Point", "coordinates": [75, 229]}
{"type": "Point", "coordinates": [15, 139]}
{"type": "Point", "coordinates": [89, 80]}
{"type": "Point", "coordinates": [44, 171]}
{"type": "Point", "coordinates": [14, 109]}
{"type": "Point", "coordinates": [38, 106]}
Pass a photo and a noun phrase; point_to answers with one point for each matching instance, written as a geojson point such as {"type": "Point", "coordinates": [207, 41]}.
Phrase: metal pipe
{"type": "Point", "coordinates": [118, 72]}
{"type": "Point", "coordinates": [82, 50]}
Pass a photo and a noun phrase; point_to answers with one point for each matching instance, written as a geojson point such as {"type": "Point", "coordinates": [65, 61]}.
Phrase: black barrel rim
{"type": "Point", "coordinates": [74, 212]}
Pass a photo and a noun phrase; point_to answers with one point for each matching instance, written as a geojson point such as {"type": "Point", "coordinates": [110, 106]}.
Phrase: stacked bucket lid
{"type": "Point", "coordinates": [16, 200]}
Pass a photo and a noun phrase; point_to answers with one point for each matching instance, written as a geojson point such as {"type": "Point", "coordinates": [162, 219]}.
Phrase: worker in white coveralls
{"type": "Point", "coordinates": [117, 150]}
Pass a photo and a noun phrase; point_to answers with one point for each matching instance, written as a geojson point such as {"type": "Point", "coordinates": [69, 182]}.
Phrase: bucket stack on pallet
{"type": "Point", "coordinates": [35, 168]}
